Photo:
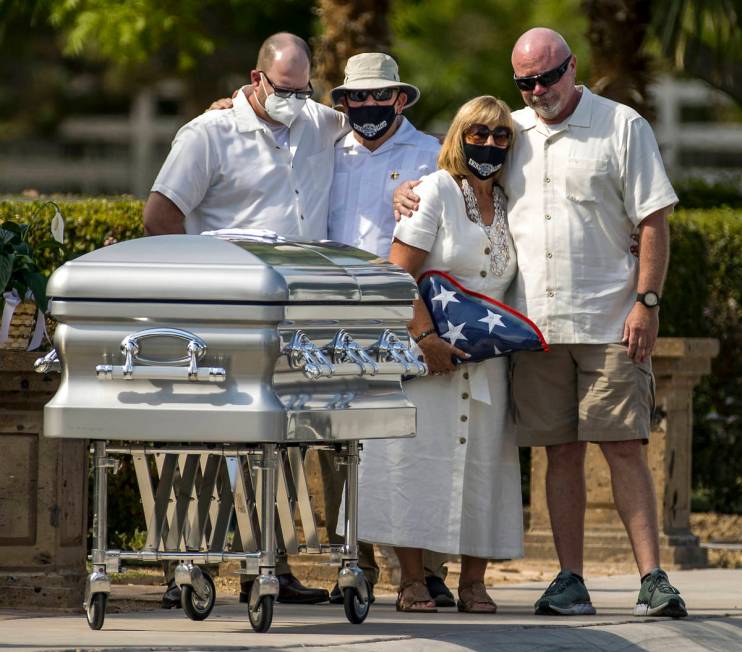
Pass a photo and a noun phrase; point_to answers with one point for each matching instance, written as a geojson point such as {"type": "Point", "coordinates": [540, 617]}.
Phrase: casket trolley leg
{"type": "Point", "coordinates": [351, 579]}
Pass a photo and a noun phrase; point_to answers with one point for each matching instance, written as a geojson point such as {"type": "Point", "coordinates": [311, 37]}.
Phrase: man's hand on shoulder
{"type": "Point", "coordinates": [227, 102]}
{"type": "Point", "coordinates": [640, 331]}
{"type": "Point", "coordinates": [404, 201]}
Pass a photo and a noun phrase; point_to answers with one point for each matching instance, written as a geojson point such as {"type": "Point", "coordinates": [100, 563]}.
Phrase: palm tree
{"type": "Point", "coordinates": [347, 28]}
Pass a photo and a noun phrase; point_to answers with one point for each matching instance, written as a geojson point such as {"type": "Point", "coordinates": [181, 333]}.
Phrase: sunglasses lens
{"type": "Point", "coordinates": [383, 94]}
{"type": "Point", "coordinates": [357, 96]}
{"type": "Point", "coordinates": [526, 84]}
{"type": "Point", "coordinates": [502, 136]}
{"type": "Point", "coordinates": [477, 134]}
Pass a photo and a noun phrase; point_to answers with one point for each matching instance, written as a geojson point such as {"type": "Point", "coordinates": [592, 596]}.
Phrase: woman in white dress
{"type": "Point", "coordinates": [455, 487]}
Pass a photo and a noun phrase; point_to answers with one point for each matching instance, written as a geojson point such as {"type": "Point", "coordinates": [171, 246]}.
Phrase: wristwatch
{"type": "Point", "coordinates": [649, 299]}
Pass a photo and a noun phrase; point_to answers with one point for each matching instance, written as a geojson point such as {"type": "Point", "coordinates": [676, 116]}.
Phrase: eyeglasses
{"type": "Point", "coordinates": [548, 78]}
{"type": "Point", "coordinates": [477, 134]}
{"type": "Point", "coordinates": [379, 94]}
{"type": "Point", "coordinates": [303, 94]}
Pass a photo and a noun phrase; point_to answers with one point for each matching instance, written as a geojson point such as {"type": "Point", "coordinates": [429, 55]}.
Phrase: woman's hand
{"type": "Point", "coordinates": [439, 354]}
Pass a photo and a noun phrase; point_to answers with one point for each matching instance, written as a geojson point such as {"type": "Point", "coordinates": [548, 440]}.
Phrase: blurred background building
{"type": "Point", "coordinates": [91, 93]}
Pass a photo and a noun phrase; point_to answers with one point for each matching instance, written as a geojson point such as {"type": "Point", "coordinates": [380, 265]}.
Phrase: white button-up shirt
{"type": "Point", "coordinates": [225, 170]}
{"type": "Point", "coordinates": [361, 197]}
{"type": "Point", "coordinates": [576, 192]}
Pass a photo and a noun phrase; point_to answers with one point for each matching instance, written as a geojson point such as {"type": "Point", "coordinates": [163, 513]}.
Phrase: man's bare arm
{"type": "Point", "coordinates": [162, 216]}
{"type": "Point", "coordinates": [642, 324]}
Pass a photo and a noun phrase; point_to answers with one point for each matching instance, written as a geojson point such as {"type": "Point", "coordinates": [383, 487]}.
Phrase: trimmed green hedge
{"type": "Point", "coordinates": [90, 223]}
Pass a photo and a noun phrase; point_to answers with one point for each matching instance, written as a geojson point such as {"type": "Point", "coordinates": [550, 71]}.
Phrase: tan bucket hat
{"type": "Point", "coordinates": [370, 70]}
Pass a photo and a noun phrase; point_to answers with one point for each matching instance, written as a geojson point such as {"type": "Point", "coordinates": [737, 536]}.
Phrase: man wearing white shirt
{"type": "Point", "coordinates": [585, 174]}
{"type": "Point", "coordinates": [266, 163]}
{"type": "Point", "coordinates": [382, 150]}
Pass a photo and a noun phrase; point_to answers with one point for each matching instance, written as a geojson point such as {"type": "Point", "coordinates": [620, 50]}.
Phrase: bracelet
{"type": "Point", "coordinates": [417, 338]}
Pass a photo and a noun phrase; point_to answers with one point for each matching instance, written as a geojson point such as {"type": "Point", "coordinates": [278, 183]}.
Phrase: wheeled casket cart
{"type": "Point", "coordinates": [215, 364]}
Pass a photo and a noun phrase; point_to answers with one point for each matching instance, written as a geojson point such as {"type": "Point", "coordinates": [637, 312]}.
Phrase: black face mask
{"type": "Point", "coordinates": [372, 121]}
{"type": "Point", "coordinates": [484, 160]}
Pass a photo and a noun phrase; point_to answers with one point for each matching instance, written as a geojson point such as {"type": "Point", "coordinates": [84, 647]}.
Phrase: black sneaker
{"type": "Point", "coordinates": [657, 597]}
{"type": "Point", "coordinates": [565, 596]}
{"type": "Point", "coordinates": [439, 592]}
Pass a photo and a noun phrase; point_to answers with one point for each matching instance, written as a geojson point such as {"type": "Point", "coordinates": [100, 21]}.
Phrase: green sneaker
{"type": "Point", "coordinates": [657, 597]}
{"type": "Point", "coordinates": [565, 596]}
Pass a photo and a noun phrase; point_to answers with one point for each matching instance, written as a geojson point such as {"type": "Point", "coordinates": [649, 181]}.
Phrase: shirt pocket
{"type": "Point", "coordinates": [395, 177]}
{"type": "Point", "coordinates": [584, 179]}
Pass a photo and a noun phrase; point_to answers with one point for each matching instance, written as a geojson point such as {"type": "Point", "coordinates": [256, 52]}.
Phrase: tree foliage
{"type": "Point", "coordinates": [457, 49]}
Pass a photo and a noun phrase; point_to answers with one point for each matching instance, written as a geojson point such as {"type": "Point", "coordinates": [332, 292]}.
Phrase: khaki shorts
{"type": "Point", "coordinates": [580, 392]}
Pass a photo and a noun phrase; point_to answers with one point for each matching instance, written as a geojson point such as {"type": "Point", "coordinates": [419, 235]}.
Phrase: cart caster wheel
{"type": "Point", "coordinates": [355, 610]}
{"type": "Point", "coordinates": [96, 611]}
{"type": "Point", "coordinates": [262, 617]}
{"type": "Point", "coordinates": [195, 607]}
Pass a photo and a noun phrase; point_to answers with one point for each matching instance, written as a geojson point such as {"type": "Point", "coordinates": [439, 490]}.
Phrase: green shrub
{"type": "Point", "coordinates": [90, 223]}
{"type": "Point", "coordinates": [697, 193]}
{"type": "Point", "coordinates": [703, 298]}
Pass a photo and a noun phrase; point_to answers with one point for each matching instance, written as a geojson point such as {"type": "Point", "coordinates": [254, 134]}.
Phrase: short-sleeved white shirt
{"type": "Point", "coordinates": [576, 192]}
{"type": "Point", "coordinates": [225, 170]}
{"type": "Point", "coordinates": [361, 197]}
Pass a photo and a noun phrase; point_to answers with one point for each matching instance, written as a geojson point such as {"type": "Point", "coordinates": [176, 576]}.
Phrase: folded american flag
{"type": "Point", "coordinates": [475, 323]}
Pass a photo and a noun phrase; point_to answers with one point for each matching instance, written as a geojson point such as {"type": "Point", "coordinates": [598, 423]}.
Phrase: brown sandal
{"type": "Point", "coordinates": [473, 599]}
{"type": "Point", "coordinates": [414, 597]}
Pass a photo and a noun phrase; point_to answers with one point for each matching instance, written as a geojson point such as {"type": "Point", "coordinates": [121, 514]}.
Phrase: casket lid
{"type": "Point", "coordinates": [207, 269]}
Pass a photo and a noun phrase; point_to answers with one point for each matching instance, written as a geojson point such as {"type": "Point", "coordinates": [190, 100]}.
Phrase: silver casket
{"type": "Point", "coordinates": [216, 364]}
{"type": "Point", "coordinates": [202, 339]}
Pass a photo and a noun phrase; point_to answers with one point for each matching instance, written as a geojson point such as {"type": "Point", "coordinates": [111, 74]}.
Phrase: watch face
{"type": "Point", "coordinates": [651, 299]}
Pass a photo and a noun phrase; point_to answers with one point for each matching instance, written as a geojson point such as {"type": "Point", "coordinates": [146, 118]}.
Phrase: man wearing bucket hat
{"type": "Point", "coordinates": [383, 150]}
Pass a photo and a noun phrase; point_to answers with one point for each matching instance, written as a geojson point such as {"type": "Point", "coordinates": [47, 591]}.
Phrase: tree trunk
{"type": "Point", "coordinates": [621, 70]}
{"type": "Point", "coordinates": [348, 27]}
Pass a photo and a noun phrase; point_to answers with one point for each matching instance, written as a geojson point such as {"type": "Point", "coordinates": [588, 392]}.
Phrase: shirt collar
{"type": "Point", "coordinates": [245, 116]}
{"type": "Point", "coordinates": [405, 135]}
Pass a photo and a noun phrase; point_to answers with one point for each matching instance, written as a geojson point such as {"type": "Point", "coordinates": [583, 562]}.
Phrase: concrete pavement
{"type": "Point", "coordinates": [714, 597]}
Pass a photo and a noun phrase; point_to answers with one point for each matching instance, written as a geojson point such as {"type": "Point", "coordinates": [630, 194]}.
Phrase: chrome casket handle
{"type": "Point", "coordinates": [48, 363]}
{"type": "Point", "coordinates": [183, 368]}
{"type": "Point", "coordinates": [304, 354]}
{"type": "Point", "coordinates": [344, 349]}
{"type": "Point", "coordinates": [389, 348]}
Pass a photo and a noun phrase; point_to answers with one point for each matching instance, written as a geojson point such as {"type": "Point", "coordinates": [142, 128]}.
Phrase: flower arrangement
{"type": "Point", "coordinates": [22, 284]}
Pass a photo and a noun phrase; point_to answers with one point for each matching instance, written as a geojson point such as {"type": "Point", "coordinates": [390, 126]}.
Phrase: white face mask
{"type": "Point", "coordinates": [282, 109]}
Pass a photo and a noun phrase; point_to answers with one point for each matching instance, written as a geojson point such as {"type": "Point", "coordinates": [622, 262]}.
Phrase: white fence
{"type": "Point", "coordinates": [122, 154]}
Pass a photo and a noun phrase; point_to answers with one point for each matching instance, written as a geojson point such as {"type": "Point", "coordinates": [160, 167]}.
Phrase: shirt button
{"type": "Point", "coordinates": [487, 251]}
{"type": "Point", "coordinates": [466, 375]}
{"type": "Point", "coordinates": [462, 440]}
{"type": "Point", "coordinates": [463, 417]}
{"type": "Point", "coordinates": [296, 191]}
{"type": "Point", "coordinates": [465, 395]}
{"type": "Point", "coordinates": [483, 273]}
{"type": "Point", "coordinates": [549, 293]}
{"type": "Point", "coordinates": [548, 217]}
{"type": "Point", "coordinates": [547, 180]}
{"type": "Point", "coordinates": [548, 254]}
{"type": "Point", "coordinates": [301, 216]}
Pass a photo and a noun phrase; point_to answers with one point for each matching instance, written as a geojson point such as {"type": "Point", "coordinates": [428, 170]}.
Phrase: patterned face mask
{"type": "Point", "coordinates": [372, 121]}
{"type": "Point", "coordinates": [484, 160]}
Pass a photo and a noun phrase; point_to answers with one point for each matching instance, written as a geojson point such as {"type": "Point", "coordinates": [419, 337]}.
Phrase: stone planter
{"type": "Point", "coordinates": [43, 495]}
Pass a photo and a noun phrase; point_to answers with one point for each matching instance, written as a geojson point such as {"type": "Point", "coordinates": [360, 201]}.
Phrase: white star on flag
{"type": "Point", "coordinates": [453, 334]}
{"type": "Point", "coordinates": [445, 297]}
{"type": "Point", "coordinates": [492, 320]}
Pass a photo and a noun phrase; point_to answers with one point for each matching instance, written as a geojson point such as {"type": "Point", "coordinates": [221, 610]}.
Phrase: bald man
{"type": "Point", "coordinates": [266, 163]}
{"type": "Point", "coordinates": [584, 175]}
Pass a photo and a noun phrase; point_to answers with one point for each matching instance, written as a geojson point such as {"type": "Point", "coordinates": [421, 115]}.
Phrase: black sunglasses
{"type": "Point", "coordinates": [548, 78]}
{"type": "Point", "coordinates": [379, 94]}
{"type": "Point", "coordinates": [303, 94]}
{"type": "Point", "coordinates": [477, 134]}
